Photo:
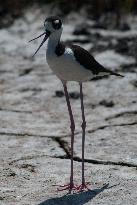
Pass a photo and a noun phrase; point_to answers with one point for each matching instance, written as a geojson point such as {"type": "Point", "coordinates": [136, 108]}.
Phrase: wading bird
{"type": "Point", "coordinates": [70, 63]}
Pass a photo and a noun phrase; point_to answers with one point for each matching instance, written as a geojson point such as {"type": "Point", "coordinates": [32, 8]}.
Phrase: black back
{"type": "Point", "coordinates": [84, 58]}
{"type": "Point", "coordinates": [89, 62]}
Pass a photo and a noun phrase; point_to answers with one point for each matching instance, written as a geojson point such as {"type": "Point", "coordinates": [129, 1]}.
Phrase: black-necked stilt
{"type": "Point", "coordinates": [70, 63]}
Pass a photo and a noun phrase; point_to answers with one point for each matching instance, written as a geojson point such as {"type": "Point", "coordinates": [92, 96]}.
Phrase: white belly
{"type": "Point", "coordinates": [66, 67]}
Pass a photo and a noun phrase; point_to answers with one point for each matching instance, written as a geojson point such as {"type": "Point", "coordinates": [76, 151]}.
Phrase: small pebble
{"type": "Point", "coordinates": [59, 93]}
{"type": "Point", "coordinates": [107, 103]}
{"type": "Point", "coordinates": [81, 31]}
{"type": "Point", "coordinates": [74, 95]}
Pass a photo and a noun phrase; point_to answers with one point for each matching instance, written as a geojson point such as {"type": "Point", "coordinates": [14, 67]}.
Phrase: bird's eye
{"type": "Point", "coordinates": [56, 24]}
{"type": "Point", "coordinates": [56, 21]}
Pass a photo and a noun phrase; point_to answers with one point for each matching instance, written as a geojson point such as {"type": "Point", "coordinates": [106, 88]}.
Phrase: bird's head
{"type": "Point", "coordinates": [52, 24]}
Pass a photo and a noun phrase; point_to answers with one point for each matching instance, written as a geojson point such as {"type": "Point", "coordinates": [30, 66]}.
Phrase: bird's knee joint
{"type": "Point", "coordinates": [72, 126]}
{"type": "Point", "coordinates": [83, 125]}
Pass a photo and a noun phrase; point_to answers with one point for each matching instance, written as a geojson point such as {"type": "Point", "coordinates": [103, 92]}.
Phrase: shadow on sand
{"type": "Point", "coordinates": [73, 199]}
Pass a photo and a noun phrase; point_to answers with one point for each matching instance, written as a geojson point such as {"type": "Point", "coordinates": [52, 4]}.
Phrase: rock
{"type": "Point", "coordinates": [122, 47]}
{"type": "Point", "coordinates": [124, 27]}
{"type": "Point", "coordinates": [74, 95]}
{"type": "Point", "coordinates": [7, 172]}
{"type": "Point", "coordinates": [25, 71]}
{"type": "Point", "coordinates": [59, 93]}
{"type": "Point", "coordinates": [81, 30]}
{"type": "Point", "coordinates": [82, 41]}
{"type": "Point", "coordinates": [106, 104]}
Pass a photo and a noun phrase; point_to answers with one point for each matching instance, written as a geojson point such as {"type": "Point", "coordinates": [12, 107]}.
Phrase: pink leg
{"type": "Point", "coordinates": [83, 186]}
{"type": "Point", "coordinates": [72, 127]}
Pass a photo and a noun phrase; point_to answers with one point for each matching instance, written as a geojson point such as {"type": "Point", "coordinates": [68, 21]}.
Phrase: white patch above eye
{"type": "Point", "coordinates": [56, 21]}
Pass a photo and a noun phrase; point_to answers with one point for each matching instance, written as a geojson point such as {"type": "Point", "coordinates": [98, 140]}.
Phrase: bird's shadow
{"type": "Point", "coordinates": [77, 198]}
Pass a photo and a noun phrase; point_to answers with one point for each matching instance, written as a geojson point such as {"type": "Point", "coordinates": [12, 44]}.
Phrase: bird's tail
{"type": "Point", "coordinates": [105, 71]}
{"type": "Point", "coordinates": [116, 74]}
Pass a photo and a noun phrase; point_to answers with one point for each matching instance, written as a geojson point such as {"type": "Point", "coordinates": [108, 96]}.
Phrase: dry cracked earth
{"type": "Point", "coordinates": [34, 125]}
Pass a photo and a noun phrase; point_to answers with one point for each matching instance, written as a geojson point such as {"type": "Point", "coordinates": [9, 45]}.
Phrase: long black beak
{"type": "Point", "coordinates": [47, 34]}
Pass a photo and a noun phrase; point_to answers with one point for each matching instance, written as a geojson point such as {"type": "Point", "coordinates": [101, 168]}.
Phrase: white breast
{"type": "Point", "coordinates": [66, 67]}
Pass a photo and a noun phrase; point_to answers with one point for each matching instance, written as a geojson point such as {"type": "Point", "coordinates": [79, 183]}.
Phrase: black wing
{"type": "Point", "coordinates": [89, 62]}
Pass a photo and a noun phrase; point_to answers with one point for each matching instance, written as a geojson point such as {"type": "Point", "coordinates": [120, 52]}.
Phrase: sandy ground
{"type": "Point", "coordinates": [34, 124]}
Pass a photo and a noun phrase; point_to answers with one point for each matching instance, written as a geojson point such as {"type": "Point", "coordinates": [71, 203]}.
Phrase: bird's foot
{"type": "Point", "coordinates": [83, 187]}
{"type": "Point", "coordinates": [69, 187]}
